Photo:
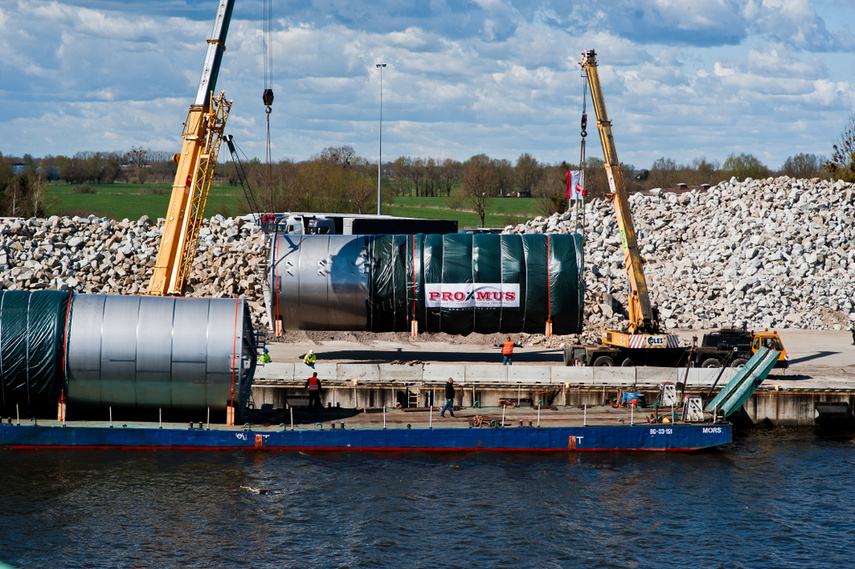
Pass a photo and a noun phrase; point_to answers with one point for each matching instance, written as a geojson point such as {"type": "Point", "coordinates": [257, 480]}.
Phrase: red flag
{"type": "Point", "coordinates": [569, 178]}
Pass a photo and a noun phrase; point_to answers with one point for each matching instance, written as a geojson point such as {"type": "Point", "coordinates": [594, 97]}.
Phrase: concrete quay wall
{"type": "Point", "coordinates": [546, 375]}
{"type": "Point", "coordinates": [386, 385]}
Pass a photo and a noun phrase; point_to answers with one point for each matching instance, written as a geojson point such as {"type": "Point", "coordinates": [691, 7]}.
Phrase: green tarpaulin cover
{"type": "Point", "coordinates": [32, 336]}
{"type": "Point", "coordinates": [459, 284]}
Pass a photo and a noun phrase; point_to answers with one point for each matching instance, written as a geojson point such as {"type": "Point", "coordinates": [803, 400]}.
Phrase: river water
{"type": "Point", "coordinates": [779, 498]}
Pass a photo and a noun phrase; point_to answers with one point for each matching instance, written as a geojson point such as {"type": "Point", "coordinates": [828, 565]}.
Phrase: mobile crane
{"type": "Point", "coordinates": [203, 134]}
{"type": "Point", "coordinates": [643, 342]}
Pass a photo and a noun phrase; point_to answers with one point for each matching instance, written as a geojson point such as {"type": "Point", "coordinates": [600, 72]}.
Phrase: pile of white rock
{"type": "Point", "coordinates": [778, 252]}
{"type": "Point", "coordinates": [100, 256]}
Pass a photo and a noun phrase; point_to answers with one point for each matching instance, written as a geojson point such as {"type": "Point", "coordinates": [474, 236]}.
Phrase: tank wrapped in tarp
{"type": "Point", "coordinates": [32, 332]}
{"type": "Point", "coordinates": [454, 283]}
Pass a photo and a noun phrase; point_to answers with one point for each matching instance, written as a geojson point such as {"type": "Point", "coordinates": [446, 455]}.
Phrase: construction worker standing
{"type": "Point", "coordinates": [313, 384]}
{"type": "Point", "coordinates": [449, 398]}
{"type": "Point", "coordinates": [508, 351]}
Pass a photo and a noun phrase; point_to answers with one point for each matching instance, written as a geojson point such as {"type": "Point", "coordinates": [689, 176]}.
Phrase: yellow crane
{"type": "Point", "coordinates": [643, 330]}
{"type": "Point", "coordinates": [203, 134]}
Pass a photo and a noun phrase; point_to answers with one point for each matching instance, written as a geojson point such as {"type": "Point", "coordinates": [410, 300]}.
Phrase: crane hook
{"type": "Point", "coordinates": [267, 98]}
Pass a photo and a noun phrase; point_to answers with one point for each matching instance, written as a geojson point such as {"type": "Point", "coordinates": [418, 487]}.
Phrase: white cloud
{"type": "Point", "coordinates": [681, 78]}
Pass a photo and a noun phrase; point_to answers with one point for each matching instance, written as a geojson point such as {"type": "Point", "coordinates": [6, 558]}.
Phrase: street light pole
{"type": "Point", "coordinates": [380, 159]}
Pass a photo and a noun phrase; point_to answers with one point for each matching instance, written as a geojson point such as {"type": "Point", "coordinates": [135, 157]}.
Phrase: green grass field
{"type": "Point", "coordinates": [500, 211]}
{"type": "Point", "coordinates": [132, 201]}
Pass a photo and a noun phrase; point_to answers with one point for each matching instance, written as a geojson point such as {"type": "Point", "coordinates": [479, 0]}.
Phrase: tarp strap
{"type": "Point", "coordinates": [27, 341]}
{"type": "Point", "coordinates": [2, 375]}
{"type": "Point", "coordinates": [234, 355]}
{"type": "Point", "coordinates": [548, 285]}
{"type": "Point", "coordinates": [65, 346]}
{"type": "Point", "coordinates": [414, 277]}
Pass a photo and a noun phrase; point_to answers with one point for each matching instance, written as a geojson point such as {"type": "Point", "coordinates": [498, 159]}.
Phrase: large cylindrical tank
{"type": "Point", "coordinates": [175, 354]}
{"type": "Point", "coordinates": [454, 283]}
{"type": "Point", "coordinates": [159, 352]}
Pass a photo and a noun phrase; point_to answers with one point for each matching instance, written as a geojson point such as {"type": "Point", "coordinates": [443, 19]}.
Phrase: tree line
{"type": "Point", "coordinates": [337, 180]}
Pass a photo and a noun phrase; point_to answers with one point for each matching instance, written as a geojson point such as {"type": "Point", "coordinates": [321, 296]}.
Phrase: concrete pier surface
{"type": "Point", "coordinates": [818, 359]}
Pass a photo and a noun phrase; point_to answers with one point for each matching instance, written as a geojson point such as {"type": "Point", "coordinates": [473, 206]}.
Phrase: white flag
{"type": "Point", "coordinates": [575, 191]}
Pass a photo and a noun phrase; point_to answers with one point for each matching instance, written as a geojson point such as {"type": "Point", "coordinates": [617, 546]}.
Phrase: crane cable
{"type": "Point", "coordinates": [584, 133]}
{"type": "Point", "coordinates": [267, 96]}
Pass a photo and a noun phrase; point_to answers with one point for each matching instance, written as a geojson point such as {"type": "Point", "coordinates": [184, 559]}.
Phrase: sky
{"type": "Point", "coordinates": [682, 79]}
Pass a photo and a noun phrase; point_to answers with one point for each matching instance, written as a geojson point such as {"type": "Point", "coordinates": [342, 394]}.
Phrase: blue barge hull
{"type": "Point", "coordinates": [650, 437]}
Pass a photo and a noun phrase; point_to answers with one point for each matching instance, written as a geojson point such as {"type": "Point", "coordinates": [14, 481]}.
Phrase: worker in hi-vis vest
{"type": "Point", "coordinates": [508, 351]}
{"type": "Point", "coordinates": [313, 384]}
{"type": "Point", "coordinates": [310, 359]}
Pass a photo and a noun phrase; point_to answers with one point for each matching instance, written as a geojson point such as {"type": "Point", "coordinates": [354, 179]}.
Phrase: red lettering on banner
{"type": "Point", "coordinates": [510, 296]}
{"type": "Point", "coordinates": [497, 296]}
{"type": "Point", "coordinates": [434, 296]}
{"type": "Point", "coordinates": [459, 296]}
{"type": "Point", "coordinates": [482, 295]}
{"type": "Point", "coordinates": [446, 296]}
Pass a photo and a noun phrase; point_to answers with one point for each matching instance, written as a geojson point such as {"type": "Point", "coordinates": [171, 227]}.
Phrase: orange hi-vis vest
{"type": "Point", "coordinates": [508, 348]}
{"type": "Point", "coordinates": [313, 384]}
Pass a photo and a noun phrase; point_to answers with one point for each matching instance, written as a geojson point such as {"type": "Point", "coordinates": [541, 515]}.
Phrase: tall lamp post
{"type": "Point", "coordinates": [380, 159]}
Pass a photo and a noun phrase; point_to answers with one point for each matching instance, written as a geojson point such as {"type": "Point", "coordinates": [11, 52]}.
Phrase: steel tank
{"type": "Point", "coordinates": [454, 283]}
{"type": "Point", "coordinates": [159, 352]}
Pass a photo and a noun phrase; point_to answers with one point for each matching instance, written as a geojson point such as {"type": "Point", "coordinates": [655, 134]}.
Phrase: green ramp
{"type": "Point", "coordinates": [744, 383]}
{"type": "Point", "coordinates": [738, 379]}
{"type": "Point", "coordinates": [755, 378]}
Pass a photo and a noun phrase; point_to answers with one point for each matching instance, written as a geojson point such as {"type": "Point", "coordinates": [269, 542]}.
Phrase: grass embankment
{"type": "Point", "coordinates": [132, 201]}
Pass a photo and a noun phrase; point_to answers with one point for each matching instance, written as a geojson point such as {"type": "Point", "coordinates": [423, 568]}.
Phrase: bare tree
{"type": "Point", "coordinates": [802, 166]}
{"type": "Point", "coordinates": [480, 182]}
{"type": "Point", "coordinates": [139, 159]}
{"type": "Point", "coordinates": [842, 162]}
{"type": "Point", "coordinates": [528, 171]}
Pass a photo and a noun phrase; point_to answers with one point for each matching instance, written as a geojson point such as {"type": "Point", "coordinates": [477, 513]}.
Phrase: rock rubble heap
{"type": "Point", "coordinates": [101, 256]}
{"type": "Point", "coordinates": [778, 252]}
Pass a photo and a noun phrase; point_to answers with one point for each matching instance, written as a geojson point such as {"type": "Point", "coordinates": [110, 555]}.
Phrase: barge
{"type": "Point", "coordinates": [601, 428]}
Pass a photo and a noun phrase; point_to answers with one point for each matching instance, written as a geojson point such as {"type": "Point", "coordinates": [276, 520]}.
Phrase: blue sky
{"type": "Point", "coordinates": [682, 79]}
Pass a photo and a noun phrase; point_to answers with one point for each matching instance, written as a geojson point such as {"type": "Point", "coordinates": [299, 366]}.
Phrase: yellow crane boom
{"type": "Point", "coordinates": [203, 134]}
{"type": "Point", "coordinates": [643, 322]}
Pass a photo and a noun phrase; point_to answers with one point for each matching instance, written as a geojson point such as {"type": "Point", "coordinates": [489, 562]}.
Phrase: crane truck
{"type": "Point", "coordinates": [643, 342]}
{"type": "Point", "coordinates": [203, 134]}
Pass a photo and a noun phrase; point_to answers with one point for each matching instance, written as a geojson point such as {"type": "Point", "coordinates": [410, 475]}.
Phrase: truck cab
{"type": "Point", "coordinates": [742, 344]}
{"type": "Point", "coordinates": [771, 340]}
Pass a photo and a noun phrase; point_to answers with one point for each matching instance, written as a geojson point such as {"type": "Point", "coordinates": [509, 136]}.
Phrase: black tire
{"type": "Point", "coordinates": [603, 361]}
{"type": "Point", "coordinates": [739, 362]}
{"type": "Point", "coordinates": [568, 356]}
{"type": "Point", "coordinates": [711, 362]}
{"type": "Point", "coordinates": [627, 363]}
